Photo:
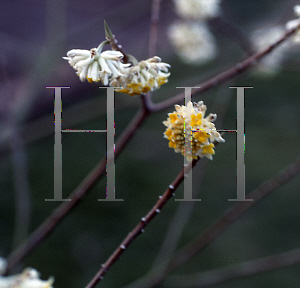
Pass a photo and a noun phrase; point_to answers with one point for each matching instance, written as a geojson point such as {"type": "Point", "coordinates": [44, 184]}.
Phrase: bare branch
{"type": "Point", "coordinates": [153, 28]}
{"type": "Point", "coordinates": [141, 225]}
{"type": "Point", "coordinates": [231, 215]}
{"type": "Point", "coordinates": [248, 268]}
{"type": "Point", "coordinates": [227, 75]}
{"type": "Point", "coordinates": [63, 209]}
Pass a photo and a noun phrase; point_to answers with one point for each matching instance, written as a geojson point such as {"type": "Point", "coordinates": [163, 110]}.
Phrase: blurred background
{"type": "Point", "coordinates": [35, 35]}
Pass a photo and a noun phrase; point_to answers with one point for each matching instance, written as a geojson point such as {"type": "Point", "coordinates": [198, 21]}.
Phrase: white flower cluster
{"type": "Point", "coordinates": [193, 42]}
{"type": "Point", "coordinates": [271, 64]}
{"type": "Point", "coordinates": [191, 37]}
{"type": "Point", "coordinates": [29, 278]}
{"type": "Point", "coordinates": [94, 66]}
{"type": "Point", "coordinates": [197, 9]}
{"type": "Point", "coordinates": [294, 23]}
{"type": "Point", "coordinates": [148, 75]}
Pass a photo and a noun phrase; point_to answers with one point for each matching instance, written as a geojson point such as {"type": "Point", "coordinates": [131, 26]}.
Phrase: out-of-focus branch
{"type": "Point", "coordinates": [148, 107]}
{"type": "Point", "coordinates": [233, 32]}
{"type": "Point", "coordinates": [63, 209]}
{"type": "Point", "coordinates": [216, 229]}
{"type": "Point", "coordinates": [180, 219]}
{"type": "Point", "coordinates": [21, 187]}
{"type": "Point", "coordinates": [229, 217]}
{"type": "Point", "coordinates": [248, 268]}
{"type": "Point", "coordinates": [228, 74]}
{"type": "Point", "coordinates": [141, 225]}
{"type": "Point", "coordinates": [153, 28]}
{"type": "Point", "coordinates": [205, 238]}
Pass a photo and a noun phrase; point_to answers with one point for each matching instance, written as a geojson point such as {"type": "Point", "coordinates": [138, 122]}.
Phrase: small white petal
{"type": "Point", "coordinates": [84, 62]}
{"type": "Point", "coordinates": [113, 69]}
{"type": "Point", "coordinates": [104, 77]}
{"type": "Point", "coordinates": [83, 73]}
{"type": "Point", "coordinates": [79, 52]}
{"type": "Point", "coordinates": [95, 71]}
{"type": "Point", "coordinates": [297, 10]}
{"type": "Point", "coordinates": [292, 24]}
{"type": "Point", "coordinates": [112, 55]}
{"type": "Point", "coordinates": [104, 66]}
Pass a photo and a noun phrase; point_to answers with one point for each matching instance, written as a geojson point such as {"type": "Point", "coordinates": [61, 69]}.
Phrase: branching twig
{"type": "Point", "coordinates": [248, 268]}
{"type": "Point", "coordinates": [229, 217]}
{"type": "Point", "coordinates": [227, 75]}
{"type": "Point", "coordinates": [179, 220]}
{"type": "Point", "coordinates": [140, 227]}
{"type": "Point", "coordinates": [59, 213]}
{"type": "Point", "coordinates": [216, 229]}
{"type": "Point", "coordinates": [204, 239]}
{"type": "Point", "coordinates": [63, 209]}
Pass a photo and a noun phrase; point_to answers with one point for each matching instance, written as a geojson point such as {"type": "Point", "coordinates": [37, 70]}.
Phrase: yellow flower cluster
{"type": "Point", "coordinates": [202, 130]}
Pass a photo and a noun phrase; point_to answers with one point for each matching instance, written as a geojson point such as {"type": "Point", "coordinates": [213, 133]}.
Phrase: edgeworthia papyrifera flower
{"type": "Point", "coordinates": [95, 66]}
{"type": "Point", "coordinates": [294, 23]}
{"type": "Point", "coordinates": [193, 42]}
{"type": "Point", "coordinates": [29, 278]}
{"type": "Point", "coordinates": [203, 131]}
{"type": "Point", "coordinates": [146, 76]}
{"type": "Point", "coordinates": [197, 9]}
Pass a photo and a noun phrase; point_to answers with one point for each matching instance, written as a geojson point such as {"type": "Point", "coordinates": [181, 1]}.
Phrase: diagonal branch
{"type": "Point", "coordinates": [148, 107]}
{"type": "Point", "coordinates": [216, 229]}
{"type": "Point", "coordinates": [141, 225]}
{"type": "Point", "coordinates": [228, 74]}
{"type": "Point", "coordinates": [63, 209]}
{"type": "Point", "coordinates": [232, 214]}
{"type": "Point", "coordinates": [213, 232]}
{"type": "Point", "coordinates": [244, 269]}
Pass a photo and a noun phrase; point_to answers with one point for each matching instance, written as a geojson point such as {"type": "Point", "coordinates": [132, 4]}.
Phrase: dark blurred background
{"type": "Point", "coordinates": [34, 36]}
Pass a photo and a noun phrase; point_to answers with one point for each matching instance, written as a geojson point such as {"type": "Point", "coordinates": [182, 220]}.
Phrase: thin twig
{"type": "Point", "coordinates": [153, 28]}
{"type": "Point", "coordinates": [179, 220]}
{"type": "Point", "coordinates": [229, 217]}
{"type": "Point", "coordinates": [59, 213]}
{"type": "Point", "coordinates": [244, 269]}
{"type": "Point", "coordinates": [63, 209]}
{"type": "Point", "coordinates": [227, 75]}
{"type": "Point", "coordinates": [216, 229]}
{"type": "Point", "coordinates": [140, 226]}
